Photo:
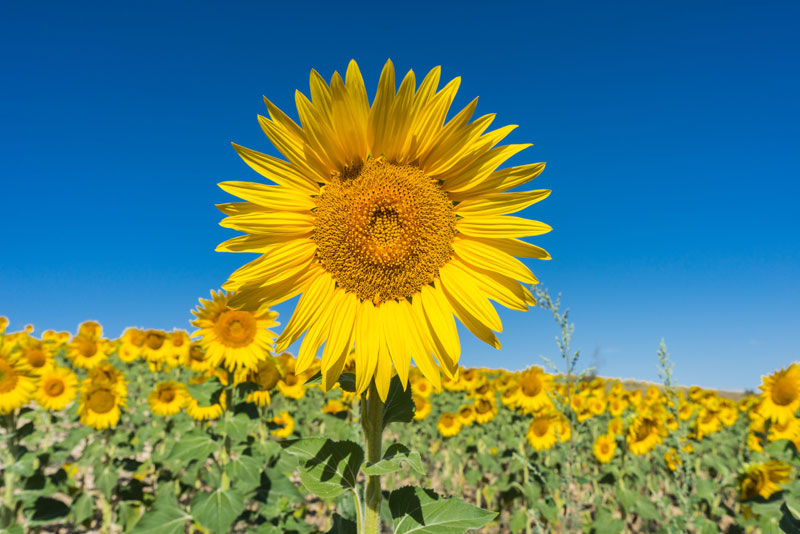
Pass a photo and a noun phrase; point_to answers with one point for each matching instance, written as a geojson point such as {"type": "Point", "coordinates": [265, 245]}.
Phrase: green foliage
{"type": "Point", "coordinates": [393, 459]}
{"type": "Point", "coordinates": [398, 406]}
{"type": "Point", "coordinates": [420, 511]}
{"type": "Point", "coordinates": [327, 467]}
{"type": "Point", "coordinates": [217, 510]}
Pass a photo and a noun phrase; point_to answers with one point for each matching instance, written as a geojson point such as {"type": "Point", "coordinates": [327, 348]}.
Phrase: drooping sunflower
{"type": "Point", "coordinates": [780, 399]}
{"type": "Point", "coordinates": [168, 398]}
{"type": "Point", "coordinates": [236, 338]}
{"type": "Point", "coordinates": [265, 376]}
{"type": "Point", "coordinates": [644, 434]}
{"type": "Point", "coordinates": [285, 425]}
{"type": "Point", "coordinates": [763, 479]}
{"type": "Point", "coordinates": [100, 406]}
{"type": "Point", "coordinates": [16, 386]}
{"type": "Point", "coordinates": [604, 447]}
{"type": "Point", "coordinates": [387, 221]}
{"type": "Point", "coordinates": [57, 388]}
{"type": "Point", "coordinates": [206, 412]}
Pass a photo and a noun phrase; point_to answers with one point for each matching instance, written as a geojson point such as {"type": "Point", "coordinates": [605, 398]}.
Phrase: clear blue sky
{"type": "Point", "coordinates": [670, 130]}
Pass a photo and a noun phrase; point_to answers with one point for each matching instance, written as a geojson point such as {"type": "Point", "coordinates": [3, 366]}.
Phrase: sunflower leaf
{"type": "Point", "coordinates": [399, 407]}
{"type": "Point", "coordinates": [196, 445]}
{"type": "Point", "coordinates": [393, 459]}
{"type": "Point", "coordinates": [421, 511]}
{"type": "Point", "coordinates": [165, 518]}
{"type": "Point", "coordinates": [327, 468]}
{"type": "Point", "coordinates": [218, 510]}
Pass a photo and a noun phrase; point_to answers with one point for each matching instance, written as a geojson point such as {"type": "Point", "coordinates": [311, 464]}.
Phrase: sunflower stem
{"type": "Point", "coordinates": [372, 423]}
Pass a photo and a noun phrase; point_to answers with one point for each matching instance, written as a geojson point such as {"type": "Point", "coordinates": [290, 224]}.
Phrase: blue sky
{"type": "Point", "coordinates": [670, 131]}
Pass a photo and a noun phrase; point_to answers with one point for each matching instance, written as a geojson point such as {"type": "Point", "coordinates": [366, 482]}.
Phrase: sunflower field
{"type": "Point", "coordinates": [152, 433]}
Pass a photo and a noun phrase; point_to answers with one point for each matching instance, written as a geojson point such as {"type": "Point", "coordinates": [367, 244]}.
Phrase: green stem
{"type": "Point", "coordinates": [372, 422]}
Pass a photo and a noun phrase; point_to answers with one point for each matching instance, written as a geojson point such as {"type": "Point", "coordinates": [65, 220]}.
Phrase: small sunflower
{"type": "Point", "coordinates": [16, 386]}
{"type": "Point", "coordinates": [155, 348]}
{"type": "Point", "coordinates": [616, 426]}
{"type": "Point", "coordinates": [130, 349]}
{"type": "Point", "coordinates": [236, 338]}
{"type": "Point", "coordinates": [448, 425]}
{"type": "Point", "coordinates": [387, 221]}
{"type": "Point", "coordinates": [423, 407]}
{"type": "Point", "coordinates": [542, 431]}
{"type": "Point", "coordinates": [207, 412]}
{"type": "Point", "coordinates": [789, 430]}
{"type": "Point", "coordinates": [168, 398]}
{"type": "Point", "coordinates": [532, 394]}
{"type": "Point", "coordinates": [604, 447]}
{"type": "Point", "coordinates": [762, 480]}
{"type": "Point", "coordinates": [100, 406]}
{"type": "Point", "coordinates": [644, 434]}
{"type": "Point", "coordinates": [292, 386]}
{"type": "Point", "coordinates": [672, 459]}
{"type": "Point", "coordinates": [57, 388]}
{"type": "Point", "coordinates": [178, 347]}
{"type": "Point", "coordinates": [422, 387]}
{"type": "Point", "coordinates": [780, 399]}
{"type": "Point", "coordinates": [266, 376]}
{"type": "Point", "coordinates": [107, 374]}
{"type": "Point", "coordinates": [285, 425]}
{"type": "Point", "coordinates": [87, 352]}
{"type": "Point", "coordinates": [35, 355]}
{"type": "Point", "coordinates": [335, 407]}
{"type": "Point", "coordinates": [466, 415]}
{"type": "Point", "coordinates": [485, 410]}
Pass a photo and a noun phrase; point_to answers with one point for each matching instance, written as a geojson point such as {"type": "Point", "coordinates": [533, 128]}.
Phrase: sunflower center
{"type": "Point", "coordinates": [267, 375]}
{"type": "Point", "coordinates": [604, 448]}
{"type": "Point", "coordinates": [236, 328]}
{"type": "Point", "coordinates": [36, 357]}
{"type": "Point", "coordinates": [644, 430]}
{"type": "Point", "coordinates": [101, 401]}
{"type": "Point", "coordinates": [87, 347]}
{"type": "Point", "coordinates": [540, 426]}
{"type": "Point", "coordinates": [155, 340]}
{"type": "Point", "coordinates": [384, 230]}
{"type": "Point", "coordinates": [8, 377]}
{"type": "Point", "coordinates": [166, 395]}
{"type": "Point", "coordinates": [483, 406]}
{"type": "Point", "coordinates": [54, 387]}
{"type": "Point", "coordinates": [448, 420]}
{"type": "Point", "coordinates": [531, 386]}
{"type": "Point", "coordinates": [784, 391]}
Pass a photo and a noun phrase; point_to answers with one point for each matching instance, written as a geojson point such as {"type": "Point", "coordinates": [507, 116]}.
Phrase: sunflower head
{"type": "Point", "coordinates": [422, 407]}
{"type": "Point", "coordinates": [100, 406]}
{"type": "Point", "coordinates": [16, 385]}
{"type": "Point", "coordinates": [762, 480]}
{"type": "Point", "coordinates": [57, 388]}
{"type": "Point", "coordinates": [168, 398]}
{"type": "Point", "coordinates": [780, 399]}
{"type": "Point", "coordinates": [385, 217]}
{"type": "Point", "coordinates": [604, 447]}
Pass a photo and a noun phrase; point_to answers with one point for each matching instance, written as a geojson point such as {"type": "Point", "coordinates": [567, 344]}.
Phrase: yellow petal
{"type": "Point", "coordinates": [380, 112]}
{"type": "Point", "coordinates": [285, 223]}
{"type": "Point", "coordinates": [431, 118]}
{"type": "Point", "coordinates": [318, 333]}
{"type": "Point", "coordinates": [461, 144]}
{"type": "Point", "coordinates": [485, 257]}
{"type": "Point", "coordinates": [308, 309]}
{"type": "Point", "coordinates": [441, 327]}
{"type": "Point", "coordinates": [481, 169]}
{"type": "Point", "coordinates": [367, 345]}
{"type": "Point", "coordinates": [319, 134]}
{"type": "Point", "coordinates": [500, 226]}
{"type": "Point", "coordinates": [269, 196]}
{"type": "Point", "coordinates": [278, 263]}
{"type": "Point", "coordinates": [502, 289]}
{"type": "Point", "coordinates": [463, 287]}
{"type": "Point", "coordinates": [443, 144]}
{"type": "Point", "coordinates": [500, 181]}
{"type": "Point", "coordinates": [501, 204]}
{"type": "Point", "coordinates": [399, 126]}
{"type": "Point", "coordinates": [341, 331]}
{"type": "Point", "coordinates": [515, 247]}
{"type": "Point", "coordinates": [383, 370]}
{"type": "Point", "coordinates": [278, 171]}
{"type": "Point", "coordinates": [473, 324]}
{"type": "Point", "coordinates": [416, 347]}
{"type": "Point", "coordinates": [396, 333]}
{"type": "Point", "coordinates": [295, 149]}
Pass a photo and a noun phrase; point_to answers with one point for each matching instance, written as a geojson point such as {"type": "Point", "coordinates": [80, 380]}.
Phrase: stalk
{"type": "Point", "coordinates": [372, 423]}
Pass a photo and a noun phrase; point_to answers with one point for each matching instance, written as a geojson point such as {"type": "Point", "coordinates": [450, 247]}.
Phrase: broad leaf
{"type": "Point", "coordinates": [165, 518]}
{"type": "Point", "coordinates": [218, 510]}
{"type": "Point", "coordinates": [327, 467]}
{"type": "Point", "coordinates": [196, 445]}
{"type": "Point", "coordinates": [422, 511]}
{"type": "Point", "coordinates": [399, 407]}
{"type": "Point", "coordinates": [343, 526]}
{"type": "Point", "coordinates": [393, 460]}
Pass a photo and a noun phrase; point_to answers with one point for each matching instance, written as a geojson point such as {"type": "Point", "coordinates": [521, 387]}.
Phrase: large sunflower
{"type": "Point", "coordinates": [16, 385]}
{"type": "Point", "coordinates": [780, 399]}
{"type": "Point", "coordinates": [387, 221]}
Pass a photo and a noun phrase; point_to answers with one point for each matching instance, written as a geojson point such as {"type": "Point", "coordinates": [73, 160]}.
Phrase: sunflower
{"type": "Point", "coordinates": [449, 425]}
{"type": "Point", "coordinates": [780, 399]}
{"type": "Point", "coordinates": [763, 479]}
{"type": "Point", "coordinates": [686, 410]}
{"type": "Point", "coordinates": [100, 406]}
{"type": "Point", "coordinates": [387, 221]}
{"type": "Point", "coordinates": [35, 355]}
{"type": "Point", "coordinates": [604, 447]}
{"type": "Point", "coordinates": [178, 347]}
{"type": "Point", "coordinates": [206, 413]}
{"type": "Point", "coordinates": [672, 459]}
{"type": "Point", "coordinates": [542, 431]}
{"type": "Point", "coordinates": [422, 387]}
{"type": "Point", "coordinates": [485, 410]}
{"type": "Point", "coordinates": [132, 342]}
{"type": "Point", "coordinates": [90, 329]}
{"type": "Point", "coordinates": [265, 376]}
{"type": "Point", "coordinates": [707, 423]}
{"type": "Point", "coordinates": [644, 434]}
{"type": "Point", "coordinates": [617, 405]}
{"type": "Point", "coordinates": [86, 352]}
{"type": "Point", "coordinates": [470, 379]}
{"type": "Point", "coordinates": [168, 398]}
{"type": "Point", "coordinates": [292, 386]}
{"type": "Point", "coordinates": [466, 415]}
{"type": "Point", "coordinates": [16, 386]}
{"type": "Point", "coordinates": [485, 390]}
{"type": "Point", "coordinates": [335, 407]}
{"type": "Point", "coordinates": [423, 407]}
{"type": "Point", "coordinates": [534, 385]}
{"type": "Point", "coordinates": [789, 430]}
{"type": "Point", "coordinates": [57, 388]}
{"type": "Point", "coordinates": [107, 374]}
{"type": "Point", "coordinates": [236, 338]}
{"type": "Point", "coordinates": [3, 324]}
{"type": "Point", "coordinates": [285, 425]}
{"type": "Point", "coordinates": [616, 426]}
{"type": "Point", "coordinates": [155, 348]}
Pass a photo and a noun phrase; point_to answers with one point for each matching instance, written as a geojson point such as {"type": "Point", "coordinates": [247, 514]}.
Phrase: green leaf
{"type": "Point", "coordinates": [343, 526]}
{"type": "Point", "coordinates": [105, 480]}
{"type": "Point", "coordinates": [347, 381]}
{"type": "Point", "coordinates": [398, 406]}
{"type": "Point", "coordinates": [327, 467]}
{"type": "Point", "coordinates": [245, 471]}
{"type": "Point", "coordinates": [706, 490]}
{"type": "Point", "coordinates": [394, 457]}
{"type": "Point", "coordinates": [236, 426]}
{"type": "Point", "coordinates": [518, 520]}
{"type": "Point", "coordinates": [165, 518]}
{"type": "Point", "coordinates": [82, 508]}
{"type": "Point", "coordinates": [46, 510]}
{"type": "Point", "coordinates": [196, 445]}
{"type": "Point", "coordinates": [218, 510]}
{"type": "Point", "coordinates": [422, 511]}
{"type": "Point", "coordinates": [645, 507]}
{"type": "Point", "coordinates": [13, 529]}
{"type": "Point", "coordinates": [790, 524]}
{"type": "Point", "coordinates": [605, 523]}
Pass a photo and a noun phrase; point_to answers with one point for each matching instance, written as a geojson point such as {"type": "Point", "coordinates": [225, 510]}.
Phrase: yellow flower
{"type": "Point", "coordinates": [334, 407]}
{"type": "Point", "coordinates": [35, 355]}
{"type": "Point", "coordinates": [154, 349]}
{"type": "Point", "coordinates": [685, 411]}
{"type": "Point", "coordinates": [387, 222]}
{"type": "Point", "coordinates": [707, 422]}
{"type": "Point", "coordinates": [206, 413]}
{"type": "Point", "coordinates": [86, 352]}
{"type": "Point", "coordinates": [763, 479]}
{"type": "Point", "coordinates": [285, 425]}
{"type": "Point", "coordinates": [789, 430]}
{"type": "Point", "coordinates": [422, 387]}
{"type": "Point", "coordinates": [466, 415]}
{"type": "Point", "coordinates": [604, 447]}
{"type": "Point", "coordinates": [532, 395]}
{"type": "Point", "coordinates": [449, 425]}
{"type": "Point", "coordinates": [106, 374]}
{"type": "Point", "coordinates": [3, 324]}
{"type": "Point", "coordinates": [780, 399]}
{"type": "Point", "coordinates": [644, 434]}
{"type": "Point", "coordinates": [470, 379]}
{"type": "Point", "coordinates": [90, 329]}
{"type": "Point", "coordinates": [617, 405]}
{"type": "Point", "coordinates": [100, 406]}
{"type": "Point", "coordinates": [485, 410]}
{"type": "Point", "coordinates": [178, 348]}
{"type": "Point", "coordinates": [672, 459]}
{"type": "Point", "coordinates": [133, 340]}
{"type": "Point", "coordinates": [236, 338]}
{"type": "Point", "coordinates": [423, 407]}
{"type": "Point", "coordinates": [168, 398]}
{"type": "Point", "coordinates": [57, 388]}
{"type": "Point", "coordinates": [266, 377]}
{"type": "Point", "coordinates": [616, 427]}
{"type": "Point", "coordinates": [542, 431]}
{"type": "Point", "coordinates": [16, 386]}
{"type": "Point", "coordinates": [292, 386]}
{"type": "Point", "coordinates": [596, 405]}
